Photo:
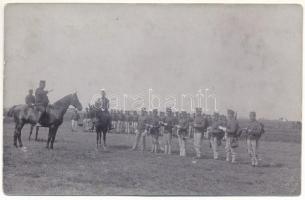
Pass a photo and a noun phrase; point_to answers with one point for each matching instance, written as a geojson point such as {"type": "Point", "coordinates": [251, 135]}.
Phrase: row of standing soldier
{"type": "Point", "coordinates": [215, 129]}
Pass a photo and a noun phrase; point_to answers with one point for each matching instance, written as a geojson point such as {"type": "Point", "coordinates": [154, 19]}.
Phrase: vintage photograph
{"type": "Point", "coordinates": [152, 99]}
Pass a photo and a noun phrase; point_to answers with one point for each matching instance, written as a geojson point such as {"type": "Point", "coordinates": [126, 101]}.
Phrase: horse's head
{"type": "Point", "coordinates": [75, 102]}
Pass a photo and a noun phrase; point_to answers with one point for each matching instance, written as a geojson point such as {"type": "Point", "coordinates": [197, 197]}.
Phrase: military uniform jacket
{"type": "Point", "coordinates": [30, 100]}
{"type": "Point", "coordinates": [215, 131]}
{"type": "Point", "coordinates": [170, 121]}
{"type": "Point", "coordinates": [41, 97]}
{"type": "Point", "coordinates": [155, 124]}
{"type": "Point", "coordinates": [200, 123]}
{"type": "Point", "coordinates": [142, 121]}
{"type": "Point", "coordinates": [183, 123]}
{"type": "Point", "coordinates": [255, 130]}
{"type": "Point", "coordinates": [232, 127]}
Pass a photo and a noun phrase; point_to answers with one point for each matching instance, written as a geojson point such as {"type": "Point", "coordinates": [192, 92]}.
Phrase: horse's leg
{"type": "Point", "coordinates": [19, 134]}
{"type": "Point", "coordinates": [100, 138]}
{"type": "Point", "coordinates": [16, 135]}
{"type": "Point", "coordinates": [53, 136]}
{"type": "Point", "coordinates": [37, 129]}
{"type": "Point", "coordinates": [104, 140]}
{"type": "Point", "coordinates": [49, 136]}
{"type": "Point", "coordinates": [31, 131]}
{"type": "Point", "coordinates": [97, 138]}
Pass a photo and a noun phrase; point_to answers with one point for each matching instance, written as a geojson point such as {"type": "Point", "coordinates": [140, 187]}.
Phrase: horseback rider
{"type": "Point", "coordinates": [30, 98]}
{"type": "Point", "coordinates": [102, 104]}
{"type": "Point", "coordinates": [41, 99]}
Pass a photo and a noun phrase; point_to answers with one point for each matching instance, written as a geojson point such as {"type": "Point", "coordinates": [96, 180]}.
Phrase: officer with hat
{"type": "Point", "coordinates": [41, 99]}
{"type": "Point", "coordinates": [200, 124]}
{"type": "Point", "coordinates": [231, 139]}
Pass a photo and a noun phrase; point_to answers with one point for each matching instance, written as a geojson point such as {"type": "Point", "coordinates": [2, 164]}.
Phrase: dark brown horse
{"type": "Point", "coordinates": [53, 117]}
{"type": "Point", "coordinates": [101, 126]}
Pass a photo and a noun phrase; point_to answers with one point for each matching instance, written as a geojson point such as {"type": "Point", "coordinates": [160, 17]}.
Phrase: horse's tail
{"type": "Point", "coordinates": [10, 112]}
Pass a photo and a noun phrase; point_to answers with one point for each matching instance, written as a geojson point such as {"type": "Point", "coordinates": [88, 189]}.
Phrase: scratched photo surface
{"type": "Point", "coordinates": [191, 58]}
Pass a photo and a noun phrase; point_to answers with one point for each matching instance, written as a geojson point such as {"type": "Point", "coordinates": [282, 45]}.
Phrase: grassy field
{"type": "Point", "coordinates": [75, 167]}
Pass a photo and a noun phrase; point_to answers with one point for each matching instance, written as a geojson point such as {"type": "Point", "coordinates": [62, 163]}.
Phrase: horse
{"type": "Point", "coordinates": [52, 118]}
{"type": "Point", "coordinates": [101, 126]}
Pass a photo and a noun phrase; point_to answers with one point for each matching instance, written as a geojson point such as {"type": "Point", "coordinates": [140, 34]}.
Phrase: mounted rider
{"type": "Point", "coordinates": [30, 98]}
{"type": "Point", "coordinates": [102, 104]}
{"type": "Point", "coordinates": [41, 99]}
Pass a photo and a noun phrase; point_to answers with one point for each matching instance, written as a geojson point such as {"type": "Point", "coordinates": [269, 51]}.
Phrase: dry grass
{"type": "Point", "coordinates": [74, 167]}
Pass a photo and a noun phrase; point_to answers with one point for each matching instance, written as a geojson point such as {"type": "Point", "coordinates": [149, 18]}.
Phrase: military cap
{"type": "Point", "coordinates": [230, 112]}
{"type": "Point", "coordinates": [253, 113]}
{"type": "Point", "coordinates": [155, 110]}
{"type": "Point", "coordinates": [143, 109]}
{"type": "Point", "coordinates": [168, 109]}
{"type": "Point", "coordinates": [42, 81]}
{"type": "Point", "coordinates": [216, 114]}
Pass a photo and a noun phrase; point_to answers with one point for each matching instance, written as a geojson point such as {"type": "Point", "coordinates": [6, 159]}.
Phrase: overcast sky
{"type": "Point", "coordinates": [250, 54]}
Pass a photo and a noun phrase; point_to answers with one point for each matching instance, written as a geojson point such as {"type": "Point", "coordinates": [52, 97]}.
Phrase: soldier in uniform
{"type": "Point", "coordinates": [182, 129]}
{"type": "Point", "coordinates": [168, 124]}
{"type": "Point", "coordinates": [141, 130]}
{"type": "Point", "coordinates": [135, 121]}
{"type": "Point", "coordinates": [41, 100]}
{"type": "Point", "coordinates": [154, 125]}
{"type": "Point", "coordinates": [254, 132]}
{"type": "Point", "coordinates": [215, 134]}
{"type": "Point", "coordinates": [200, 125]}
{"type": "Point", "coordinates": [231, 138]}
{"type": "Point", "coordinates": [102, 104]}
{"type": "Point", "coordinates": [30, 98]}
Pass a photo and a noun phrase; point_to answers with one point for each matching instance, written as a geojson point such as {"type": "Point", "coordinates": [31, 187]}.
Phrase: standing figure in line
{"type": "Point", "coordinates": [168, 124]}
{"type": "Point", "coordinates": [182, 132]}
{"type": "Point", "coordinates": [200, 124]}
{"type": "Point", "coordinates": [215, 134]}
{"type": "Point", "coordinates": [154, 125]}
{"type": "Point", "coordinates": [231, 136]}
{"type": "Point", "coordinates": [254, 132]}
{"type": "Point", "coordinates": [141, 130]}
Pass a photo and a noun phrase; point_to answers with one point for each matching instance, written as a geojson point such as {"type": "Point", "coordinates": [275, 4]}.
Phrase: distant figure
{"type": "Point", "coordinates": [254, 132]}
{"type": "Point", "coordinates": [231, 139]}
{"type": "Point", "coordinates": [215, 134]}
{"type": "Point", "coordinates": [168, 124]}
{"type": "Point", "coordinates": [154, 124]}
{"type": "Point", "coordinates": [182, 132]}
{"type": "Point", "coordinates": [30, 98]}
{"type": "Point", "coordinates": [74, 119]}
{"type": "Point", "coordinates": [199, 124]}
{"type": "Point", "coordinates": [141, 130]}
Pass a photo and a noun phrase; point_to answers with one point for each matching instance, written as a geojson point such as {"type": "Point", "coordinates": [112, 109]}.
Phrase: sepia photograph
{"type": "Point", "coordinates": [130, 99]}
